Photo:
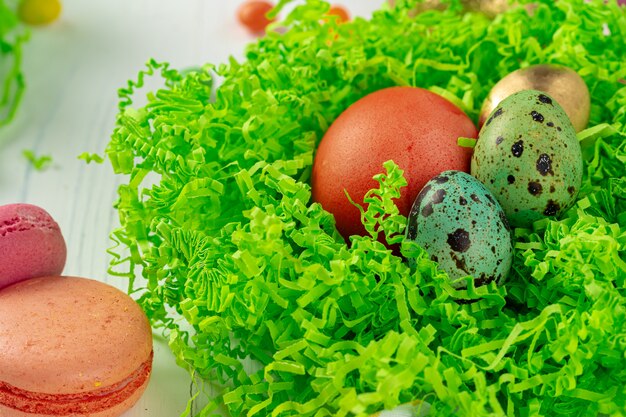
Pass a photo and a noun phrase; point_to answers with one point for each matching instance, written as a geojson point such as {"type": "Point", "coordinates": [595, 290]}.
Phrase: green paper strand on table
{"type": "Point", "coordinates": [12, 37]}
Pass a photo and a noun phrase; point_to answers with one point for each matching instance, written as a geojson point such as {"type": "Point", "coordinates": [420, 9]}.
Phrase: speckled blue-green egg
{"type": "Point", "coordinates": [528, 156]}
{"type": "Point", "coordinates": [460, 224]}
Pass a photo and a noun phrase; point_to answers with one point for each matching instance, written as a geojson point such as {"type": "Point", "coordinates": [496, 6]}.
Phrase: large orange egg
{"type": "Point", "coordinates": [415, 128]}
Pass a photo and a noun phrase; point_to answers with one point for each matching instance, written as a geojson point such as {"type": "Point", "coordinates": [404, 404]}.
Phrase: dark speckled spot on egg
{"type": "Point", "coordinates": [550, 124]}
{"type": "Point", "coordinates": [483, 279]}
{"type": "Point", "coordinates": [552, 208]}
{"type": "Point", "coordinates": [571, 190]}
{"type": "Point", "coordinates": [475, 198]}
{"type": "Point", "coordinates": [537, 117]}
{"type": "Point", "coordinates": [491, 199]}
{"type": "Point", "coordinates": [559, 128]}
{"type": "Point", "coordinates": [462, 201]}
{"type": "Point", "coordinates": [518, 148]}
{"type": "Point", "coordinates": [495, 114]}
{"type": "Point", "coordinates": [459, 240]}
{"type": "Point", "coordinates": [411, 230]}
{"type": "Point", "coordinates": [504, 220]}
{"type": "Point", "coordinates": [510, 179]}
{"type": "Point", "coordinates": [499, 140]}
{"type": "Point", "coordinates": [544, 165]}
{"type": "Point", "coordinates": [441, 179]}
{"type": "Point", "coordinates": [544, 99]}
{"type": "Point", "coordinates": [552, 189]}
{"type": "Point", "coordinates": [460, 263]}
{"type": "Point", "coordinates": [439, 196]}
{"type": "Point", "coordinates": [418, 200]}
{"type": "Point", "coordinates": [434, 258]}
{"type": "Point", "coordinates": [427, 210]}
{"type": "Point", "coordinates": [535, 188]}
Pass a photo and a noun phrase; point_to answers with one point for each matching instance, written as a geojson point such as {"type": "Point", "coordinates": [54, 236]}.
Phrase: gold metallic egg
{"type": "Point", "coordinates": [491, 8]}
{"type": "Point", "coordinates": [561, 83]}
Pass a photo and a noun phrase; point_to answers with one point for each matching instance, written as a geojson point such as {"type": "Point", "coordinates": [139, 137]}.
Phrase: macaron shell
{"type": "Point", "coordinates": [114, 411]}
{"type": "Point", "coordinates": [66, 335]}
{"type": "Point", "coordinates": [31, 244]}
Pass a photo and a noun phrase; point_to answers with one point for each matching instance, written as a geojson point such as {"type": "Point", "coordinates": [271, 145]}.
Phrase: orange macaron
{"type": "Point", "coordinates": [71, 347]}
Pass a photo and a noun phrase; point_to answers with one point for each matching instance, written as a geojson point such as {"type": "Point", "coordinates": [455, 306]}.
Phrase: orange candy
{"type": "Point", "coordinates": [341, 13]}
{"type": "Point", "coordinates": [253, 15]}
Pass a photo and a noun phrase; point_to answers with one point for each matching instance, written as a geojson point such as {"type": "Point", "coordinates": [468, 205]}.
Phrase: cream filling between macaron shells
{"type": "Point", "coordinates": [79, 403]}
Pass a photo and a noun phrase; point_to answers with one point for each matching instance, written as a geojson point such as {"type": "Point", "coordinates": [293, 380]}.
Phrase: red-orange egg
{"type": "Point", "coordinates": [253, 15]}
{"type": "Point", "coordinates": [415, 128]}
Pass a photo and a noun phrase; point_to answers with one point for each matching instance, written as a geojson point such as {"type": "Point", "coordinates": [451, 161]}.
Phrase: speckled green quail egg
{"type": "Point", "coordinates": [528, 156]}
{"type": "Point", "coordinates": [462, 227]}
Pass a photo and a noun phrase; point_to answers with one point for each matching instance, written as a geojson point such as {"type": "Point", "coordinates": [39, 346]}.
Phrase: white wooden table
{"type": "Point", "coordinates": [73, 69]}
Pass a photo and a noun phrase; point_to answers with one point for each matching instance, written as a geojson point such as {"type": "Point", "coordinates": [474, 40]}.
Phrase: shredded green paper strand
{"type": "Point", "coordinates": [12, 37]}
{"type": "Point", "coordinates": [257, 291]}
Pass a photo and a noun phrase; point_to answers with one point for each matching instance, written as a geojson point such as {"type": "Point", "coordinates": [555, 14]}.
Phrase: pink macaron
{"type": "Point", "coordinates": [31, 244]}
{"type": "Point", "coordinates": [71, 347]}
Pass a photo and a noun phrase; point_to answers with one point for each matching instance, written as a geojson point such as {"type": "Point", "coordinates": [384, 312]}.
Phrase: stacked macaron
{"type": "Point", "coordinates": [31, 244]}
{"type": "Point", "coordinates": [68, 346]}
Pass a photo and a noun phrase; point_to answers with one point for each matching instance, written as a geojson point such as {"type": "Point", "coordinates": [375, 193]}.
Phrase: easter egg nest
{"type": "Point", "coordinates": [258, 292]}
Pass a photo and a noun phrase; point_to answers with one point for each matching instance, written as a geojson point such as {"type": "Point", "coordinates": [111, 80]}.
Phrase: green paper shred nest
{"type": "Point", "coordinates": [256, 290]}
{"type": "Point", "coordinates": [12, 37]}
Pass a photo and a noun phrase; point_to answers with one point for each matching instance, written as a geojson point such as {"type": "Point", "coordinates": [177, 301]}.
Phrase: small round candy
{"type": "Point", "coordinates": [39, 12]}
{"type": "Point", "coordinates": [31, 244]}
{"type": "Point", "coordinates": [253, 15]}
{"type": "Point", "coordinates": [341, 13]}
